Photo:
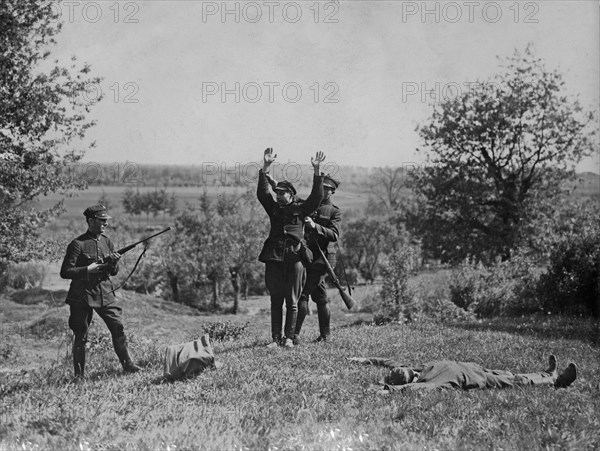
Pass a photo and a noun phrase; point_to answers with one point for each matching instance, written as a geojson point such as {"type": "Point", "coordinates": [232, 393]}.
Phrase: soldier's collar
{"type": "Point", "coordinates": [92, 236]}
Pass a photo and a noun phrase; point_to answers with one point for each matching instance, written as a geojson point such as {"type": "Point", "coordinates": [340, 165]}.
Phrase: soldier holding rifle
{"type": "Point", "coordinates": [322, 232]}
{"type": "Point", "coordinates": [284, 252]}
{"type": "Point", "coordinates": [89, 262]}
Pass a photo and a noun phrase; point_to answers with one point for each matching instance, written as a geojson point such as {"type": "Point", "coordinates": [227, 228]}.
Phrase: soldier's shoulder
{"type": "Point", "coordinates": [82, 237]}
{"type": "Point", "coordinates": [333, 207]}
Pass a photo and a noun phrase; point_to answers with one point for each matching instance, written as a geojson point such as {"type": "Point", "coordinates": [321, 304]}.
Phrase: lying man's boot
{"type": "Point", "coordinates": [567, 377]}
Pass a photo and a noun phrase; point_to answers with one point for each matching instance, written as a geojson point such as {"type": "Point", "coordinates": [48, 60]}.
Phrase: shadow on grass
{"type": "Point", "coordinates": [34, 296]}
{"type": "Point", "coordinates": [586, 330]}
{"type": "Point", "coordinates": [357, 323]}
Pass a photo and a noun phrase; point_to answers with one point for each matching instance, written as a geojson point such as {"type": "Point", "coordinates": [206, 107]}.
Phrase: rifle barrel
{"type": "Point", "coordinates": [131, 246]}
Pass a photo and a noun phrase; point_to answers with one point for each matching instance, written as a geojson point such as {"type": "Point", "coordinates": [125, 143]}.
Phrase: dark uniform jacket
{"type": "Point", "coordinates": [91, 289]}
{"type": "Point", "coordinates": [327, 219]}
{"type": "Point", "coordinates": [287, 222]}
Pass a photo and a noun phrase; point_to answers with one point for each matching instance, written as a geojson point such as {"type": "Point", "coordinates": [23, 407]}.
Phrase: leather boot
{"type": "Point", "coordinates": [324, 319]}
{"type": "Point", "coordinates": [290, 323]}
{"type": "Point", "coordinates": [567, 377]}
{"type": "Point", "coordinates": [276, 324]}
{"type": "Point", "coordinates": [78, 361]}
{"type": "Point", "coordinates": [120, 345]}
{"type": "Point", "coordinates": [302, 312]}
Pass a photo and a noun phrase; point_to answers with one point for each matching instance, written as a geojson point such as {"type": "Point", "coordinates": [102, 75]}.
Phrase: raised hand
{"type": "Point", "coordinates": [316, 161]}
{"type": "Point", "coordinates": [268, 158]}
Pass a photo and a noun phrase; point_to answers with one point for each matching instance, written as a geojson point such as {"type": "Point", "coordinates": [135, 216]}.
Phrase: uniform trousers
{"type": "Point", "coordinates": [316, 289]}
{"type": "Point", "coordinates": [284, 281]}
{"type": "Point", "coordinates": [81, 318]}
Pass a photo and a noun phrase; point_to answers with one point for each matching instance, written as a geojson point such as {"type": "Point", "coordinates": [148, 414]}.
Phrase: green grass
{"type": "Point", "coordinates": [310, 397]}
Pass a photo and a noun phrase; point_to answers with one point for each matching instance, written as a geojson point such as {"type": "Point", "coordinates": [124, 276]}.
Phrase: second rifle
{"type": "Point", "coordinates": [350, 303]}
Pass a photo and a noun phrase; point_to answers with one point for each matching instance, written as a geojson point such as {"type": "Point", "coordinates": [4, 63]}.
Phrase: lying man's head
{"type": "Point", "coordinates": [400, 376]}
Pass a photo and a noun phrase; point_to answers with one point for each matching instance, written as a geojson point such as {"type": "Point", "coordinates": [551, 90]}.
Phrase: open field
{"type": "Point", "coordinates": [75, 206]}
{"type": "Point", "coordinates": [309, 397]}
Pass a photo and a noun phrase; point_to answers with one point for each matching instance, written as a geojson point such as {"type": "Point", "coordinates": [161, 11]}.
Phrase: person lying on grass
{"type": "Point", "coordinates": [465, 375]}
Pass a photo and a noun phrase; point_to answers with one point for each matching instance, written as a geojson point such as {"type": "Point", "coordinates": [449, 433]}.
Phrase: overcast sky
{"type": "Point", "coordinates": [192, 82]}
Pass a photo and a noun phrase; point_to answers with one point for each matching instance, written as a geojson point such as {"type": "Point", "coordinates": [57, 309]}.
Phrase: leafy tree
{"type": "Point", "coordinates": [42, 115]}
{"type": "Point", "coordinates": [212, 243]}
{"type": "Point", "coordinates": [105, 200]}
{"type": "Point", "coordinates": [500, 155]}
{"type": "Point", "coordinates": [242, 229]}
{"type": "Point", "coordinates": [132, 202]}
{"type": "Point", "coordinates": [172, 205]}
{"type": "Point", "coordinates": [366, 241]}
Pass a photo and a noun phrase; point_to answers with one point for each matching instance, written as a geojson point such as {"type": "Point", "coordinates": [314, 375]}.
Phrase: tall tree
{"type": "Point", "coordinates": [385, 188]}
{"type": "Point", "coordinates": [499, 154]}
{"type": "Point", "coordinates": [42, 116]}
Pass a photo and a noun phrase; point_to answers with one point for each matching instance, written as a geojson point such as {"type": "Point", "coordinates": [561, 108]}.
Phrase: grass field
{"type": "Point", "coordinates": [307, 398]}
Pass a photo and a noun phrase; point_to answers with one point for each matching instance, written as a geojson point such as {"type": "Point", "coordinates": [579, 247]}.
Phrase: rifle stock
{"type": "Point", "coordinates": [350, 303]}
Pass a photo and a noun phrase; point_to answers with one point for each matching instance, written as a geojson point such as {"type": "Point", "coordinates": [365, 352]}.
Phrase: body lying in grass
{"type": "Point", "coordinates": [465, 375]}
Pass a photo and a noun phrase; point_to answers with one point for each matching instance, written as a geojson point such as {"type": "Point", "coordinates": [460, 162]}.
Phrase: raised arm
{"type": "Point", "coordinates": [264, 195]}
{"type": "Point", "coordinates": [316, 195]}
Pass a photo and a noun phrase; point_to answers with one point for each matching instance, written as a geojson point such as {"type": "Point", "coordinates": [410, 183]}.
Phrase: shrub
{"type": "Point", "coordinates": [503, 288]}
{"type": "Point", "coordinates": [571, 283]}
{"type": "Point", "coordinates": [148, 276]}
{"type": "Point", "coordinates": [24, 275]}
{"type": "Point", "coordinates": [221, 331]}
{"type": "Point", "coordinates": [397, 301]}
{"type": "Point", "coordinates": [433, 292]}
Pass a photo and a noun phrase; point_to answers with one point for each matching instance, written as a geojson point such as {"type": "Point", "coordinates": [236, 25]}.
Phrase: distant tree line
{"type": "Point", "coordinates": [208, 175]}
{"type": "Point", "coordinates": [150, 202]}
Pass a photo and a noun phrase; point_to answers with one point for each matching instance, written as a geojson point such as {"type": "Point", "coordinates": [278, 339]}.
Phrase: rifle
{"type": "Point", "coordinates": [350, 303]}
{"type": "Point", "coordinates": [131, 246]}
{"type": "Point", "coordinates": [121, 251]}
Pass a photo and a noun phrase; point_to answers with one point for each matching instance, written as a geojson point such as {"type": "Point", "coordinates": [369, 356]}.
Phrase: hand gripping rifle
{"type": "Point", "coordinates": [350, 303]}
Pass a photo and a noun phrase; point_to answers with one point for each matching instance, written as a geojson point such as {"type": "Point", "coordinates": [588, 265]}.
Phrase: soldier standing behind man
{"type": "Point", "coordinates": [283, 250]}
{"type": "Point", "coordinates": [89, 262]}
{"type": "Point", "coordinates": [322, 230]}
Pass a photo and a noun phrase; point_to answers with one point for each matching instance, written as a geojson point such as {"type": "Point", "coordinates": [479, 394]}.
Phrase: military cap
{"type": "Point", "coordinates": [399, 376]}
{"type": "Point", "coordinates": [285, 186]}
{"type": "Point", "coordinates": [96, 211]}
{"type": "Point", "coordinates": [330, 182]}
